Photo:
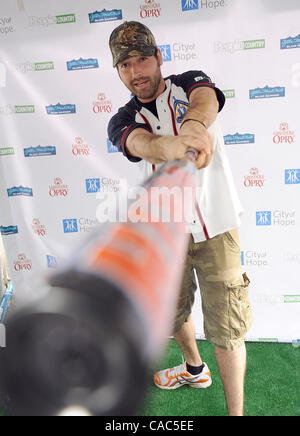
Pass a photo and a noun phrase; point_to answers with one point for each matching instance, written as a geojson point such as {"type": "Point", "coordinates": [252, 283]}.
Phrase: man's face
{"type": "Point", "coordinates": [142, 76]}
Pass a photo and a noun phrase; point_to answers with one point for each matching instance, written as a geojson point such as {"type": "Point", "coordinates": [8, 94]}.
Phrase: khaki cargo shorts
{"type": "Point", "coordinates": [224, 290]}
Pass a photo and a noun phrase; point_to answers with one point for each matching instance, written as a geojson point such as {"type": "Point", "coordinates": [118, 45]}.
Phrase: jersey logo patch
{"type": "Point", "coordinates": [180, 108]}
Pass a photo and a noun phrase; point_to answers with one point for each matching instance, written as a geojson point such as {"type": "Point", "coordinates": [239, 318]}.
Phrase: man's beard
{"type": "Point", "coordinates": [150, 89]}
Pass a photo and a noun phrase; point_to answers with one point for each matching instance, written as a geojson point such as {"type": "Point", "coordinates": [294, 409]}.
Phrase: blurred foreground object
{"type": "Point", "coordinates": [89, 345]}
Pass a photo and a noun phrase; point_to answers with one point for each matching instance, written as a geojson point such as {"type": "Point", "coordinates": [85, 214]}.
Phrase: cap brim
{"type": "Point", "coordinates": [134, 51]}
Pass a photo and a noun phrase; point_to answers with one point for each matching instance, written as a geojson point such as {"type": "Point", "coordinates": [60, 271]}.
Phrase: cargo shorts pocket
{"type": "Point", "coordinates": [240, 314]}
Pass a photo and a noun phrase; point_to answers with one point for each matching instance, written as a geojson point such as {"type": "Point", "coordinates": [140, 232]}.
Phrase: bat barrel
{"type": "Point", "coordinates": [78, 348]}
{"type": "Point", "coordinates": [90, 343]}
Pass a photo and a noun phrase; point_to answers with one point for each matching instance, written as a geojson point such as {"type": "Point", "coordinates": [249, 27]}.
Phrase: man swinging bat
{"type": "Point", "coordinates": [89, 343]}
{"type": "Point", "coordinates": [165, 117]}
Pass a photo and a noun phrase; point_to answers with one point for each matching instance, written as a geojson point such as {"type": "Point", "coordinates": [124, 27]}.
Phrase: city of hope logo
{"type": "Point", "coordinates": [292, 177]}
{"type": "Point", "coordinates": [70, 226]}
{"type": "Point", "coordinates": [264, 218]}
{"type": "Point", "coordinates": [92, 185]}
{"type": "Point", "coordinates": [281, 218]}
{"type": "Point", "coordinates": [189, 5]}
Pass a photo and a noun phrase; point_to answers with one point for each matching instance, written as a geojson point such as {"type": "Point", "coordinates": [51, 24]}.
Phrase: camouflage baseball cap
{"type": "Point", "coordinates": [131, 39]}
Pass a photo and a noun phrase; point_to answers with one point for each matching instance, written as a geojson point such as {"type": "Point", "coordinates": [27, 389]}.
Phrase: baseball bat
{"type": "Point", "coordinates": [89, 345]}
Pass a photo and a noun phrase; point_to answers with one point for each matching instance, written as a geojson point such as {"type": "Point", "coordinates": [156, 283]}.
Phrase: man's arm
{"type": "Point", "coordinates": [159, 149]}
{"type": "Point", "coordinates": [204, 107]}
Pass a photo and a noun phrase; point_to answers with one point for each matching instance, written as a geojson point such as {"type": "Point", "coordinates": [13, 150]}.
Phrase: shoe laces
{"type": "Point", "coordinates": [177, 370]}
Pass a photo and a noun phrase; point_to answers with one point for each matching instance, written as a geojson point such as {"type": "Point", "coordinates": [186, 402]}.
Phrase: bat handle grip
{"type": "Point", "coordinates": [192, 154]}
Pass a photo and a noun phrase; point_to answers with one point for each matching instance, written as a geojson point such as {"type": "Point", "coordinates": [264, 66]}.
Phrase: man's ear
{"type": "Point", "coordinates": [159, 57]}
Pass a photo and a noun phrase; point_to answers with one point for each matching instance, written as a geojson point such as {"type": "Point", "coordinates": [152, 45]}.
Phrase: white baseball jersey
{"type": "Point", "coordinates": [217, 208]}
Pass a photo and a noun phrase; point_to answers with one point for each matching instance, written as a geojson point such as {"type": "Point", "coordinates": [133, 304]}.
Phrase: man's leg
{"type": "Point", "coordinates": [226, 311]}
{"type": "Point", "coordinates": [186, 340]}
{"type": "Point", "coordinates": [183, 329]}
{"type": "Point", "coordinates": [192, 371]}
{"type": "Point", "coordinates": [232, 367]}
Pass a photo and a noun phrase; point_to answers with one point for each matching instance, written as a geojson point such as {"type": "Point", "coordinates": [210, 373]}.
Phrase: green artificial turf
{"type": "Point", "coordinates": [272, 384]}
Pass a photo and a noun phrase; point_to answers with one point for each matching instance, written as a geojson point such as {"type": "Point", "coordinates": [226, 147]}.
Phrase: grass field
{"type": "Point", "coordinates": [272, 384]}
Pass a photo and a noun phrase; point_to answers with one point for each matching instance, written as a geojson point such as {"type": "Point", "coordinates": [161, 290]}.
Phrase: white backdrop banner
{"type": "Point", "coordinates": [58, 91]}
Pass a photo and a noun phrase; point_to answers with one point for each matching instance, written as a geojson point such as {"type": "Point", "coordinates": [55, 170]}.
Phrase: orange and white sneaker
{"type": "Point", "coordinates": [174, 378]}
